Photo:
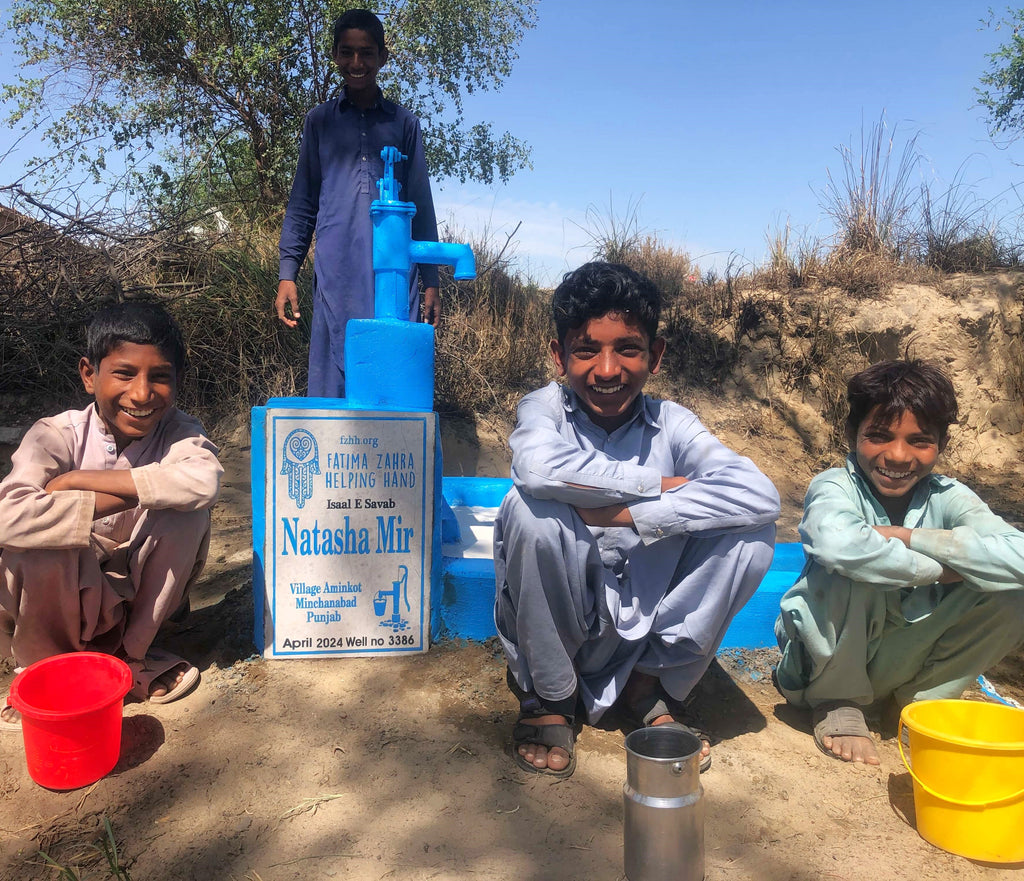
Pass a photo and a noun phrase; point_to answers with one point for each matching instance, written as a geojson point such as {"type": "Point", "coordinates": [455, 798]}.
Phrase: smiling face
{"type": "Point", "coordinates": [359, 59]}
{"type": "Point", "coordinates": [607, 361]}
{"type": "Point", "coordinates": [134, 385]}
{"type": "Point", "coordinates": [896, 457]}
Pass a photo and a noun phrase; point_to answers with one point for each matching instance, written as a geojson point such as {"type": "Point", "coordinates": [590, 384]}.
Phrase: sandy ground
{"type": "Point", "coordinates": [398, 768]}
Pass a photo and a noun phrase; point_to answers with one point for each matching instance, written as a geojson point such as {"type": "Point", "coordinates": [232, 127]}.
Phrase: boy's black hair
{"type": "Point", "coordinates": [922, 387]}
{"type": "Point", "coordinates": [145, 324]}
{"type": "Point", "coordinates": [597, 288]}
{"type": "Point", "coordinates": [360, 20]}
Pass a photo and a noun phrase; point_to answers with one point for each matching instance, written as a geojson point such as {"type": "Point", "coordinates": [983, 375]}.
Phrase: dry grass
{"type": "Point", "coordinates": [790, 264]}
{"type": "Point", "coordinates": [872, 203]}
{"type": "Point", "coordinates": [49, 285]}
{"type": "Point", "coordinates": [669, 268]}
{"type": "Point", "coordinates": [828, 353]}
{"type": "Point", "coordinates": [888, 229]}
{"type": "Point", "coordinates": [614, 237]}
{"type": "Point", "coordinates": [79, 848]}
{"type": "Point", "coordinates": [958, 232]}
{"type": "Point", "coordinates": [492, 342]}
{"type": "Point", "coordinates": [863, 273]}
{"type": "Point", "coordinates": [239, 353]}
{"type": "Point", "coordinates": [221, 292]}
{"type": "Point", "coordinates": [785, 323]}
{"type": "Point", "coordinates": [788, 321]}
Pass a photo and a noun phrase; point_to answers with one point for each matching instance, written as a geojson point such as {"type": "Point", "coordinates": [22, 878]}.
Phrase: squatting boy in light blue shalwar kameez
{"type": "Point", "coordinates": [631, 538]}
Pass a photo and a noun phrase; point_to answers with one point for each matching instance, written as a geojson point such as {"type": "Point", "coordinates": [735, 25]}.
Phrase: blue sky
{"type": "Point", "coordinates": [719, 122]}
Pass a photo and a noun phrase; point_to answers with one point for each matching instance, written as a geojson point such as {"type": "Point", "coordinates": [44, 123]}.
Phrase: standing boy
{"type": "Point", "coordinates": [104, 518]}
{"type": "Point", "coordinates": [335, 182]}
{"type": "Point", "coordinates": [912, 585]}
{"type": "Point", "coordinates": [632, 536]}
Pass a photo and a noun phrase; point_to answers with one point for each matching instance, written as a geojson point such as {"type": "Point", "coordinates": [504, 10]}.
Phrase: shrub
{"type": "Point", "coordinates": [221, 293]}
{"type": "Point", "coordinates": [873, 203]}
{"type": "Point", "coordinates": [957, 234]}
{"type": "Point", "coordinates": [240, 354]}
{"type": "Point", "coordinates": [49, 285]}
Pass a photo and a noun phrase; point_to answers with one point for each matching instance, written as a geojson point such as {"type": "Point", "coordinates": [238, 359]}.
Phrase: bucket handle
{"type": "Point", "coordinates": [946, 798]}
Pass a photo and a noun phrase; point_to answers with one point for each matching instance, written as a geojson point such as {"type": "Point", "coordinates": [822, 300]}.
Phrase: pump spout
{"type": "Point", "coordinates": [449, 253]}
{"type": "Point", "coordinates": [395, 252]}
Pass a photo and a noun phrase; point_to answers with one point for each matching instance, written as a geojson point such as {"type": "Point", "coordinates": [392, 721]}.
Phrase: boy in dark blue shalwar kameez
{"type": "Point", "coordinates": [335, 182]}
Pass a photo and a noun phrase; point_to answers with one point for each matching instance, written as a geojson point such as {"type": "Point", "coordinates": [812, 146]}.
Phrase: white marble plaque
{"type": "Point", "coordinates": [349, 520]}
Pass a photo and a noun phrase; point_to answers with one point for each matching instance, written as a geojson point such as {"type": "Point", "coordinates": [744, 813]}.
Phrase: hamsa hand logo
{"type": "Point", "coordinates": [300, 461]}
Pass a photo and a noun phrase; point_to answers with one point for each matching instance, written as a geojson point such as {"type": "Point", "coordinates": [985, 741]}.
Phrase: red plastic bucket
{"type": "Point", "coordinates": [71, 707]}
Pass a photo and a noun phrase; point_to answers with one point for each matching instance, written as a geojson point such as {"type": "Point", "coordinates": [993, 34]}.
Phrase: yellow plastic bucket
{"type": "Point", "coordinates": [967, 761]}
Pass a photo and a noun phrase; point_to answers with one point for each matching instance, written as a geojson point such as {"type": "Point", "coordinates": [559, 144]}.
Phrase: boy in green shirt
{"type": "Point", "coordinates": [912, 586]}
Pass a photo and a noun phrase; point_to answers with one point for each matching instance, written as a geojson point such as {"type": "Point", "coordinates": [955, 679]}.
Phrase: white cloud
{"type": "Point", "coordinates": [550, 240]}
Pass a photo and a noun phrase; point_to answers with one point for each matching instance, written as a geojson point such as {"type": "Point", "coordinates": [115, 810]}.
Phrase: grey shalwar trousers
{"type": "Point", "coordinates": [579, 608]}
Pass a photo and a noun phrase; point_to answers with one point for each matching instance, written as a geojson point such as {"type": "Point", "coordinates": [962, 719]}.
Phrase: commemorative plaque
{"type": "Point", "coordinates": [347, 532]}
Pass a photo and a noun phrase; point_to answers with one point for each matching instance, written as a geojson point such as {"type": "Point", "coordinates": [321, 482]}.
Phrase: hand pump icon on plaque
{"type": "Point", "coordinates": [399, 588]}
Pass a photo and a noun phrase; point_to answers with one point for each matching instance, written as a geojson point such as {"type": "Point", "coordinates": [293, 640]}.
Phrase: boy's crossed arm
{"type": "Point", "coordinates": [903, 534]}
{"type": "Point", "coordinates": [975, 543]}
{"type": "Point", "coordinates": [724, 492]}
{"type": "Point", "coordinates": [975, 546]}
{"type": "Point", "coordinates": [619, 515]}
{"type": "Point", "coordinates": [114, 490]}
{"type": "Point", "coordinates": [45, 501]}
{"type": "Point", "coordinates": [836, 534]}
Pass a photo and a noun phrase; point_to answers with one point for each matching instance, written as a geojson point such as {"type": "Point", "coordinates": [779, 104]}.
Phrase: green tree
{"type": "Point", "coordinates": [1003, 92]}
{"type": "Point", "coordinates": [203, 100]}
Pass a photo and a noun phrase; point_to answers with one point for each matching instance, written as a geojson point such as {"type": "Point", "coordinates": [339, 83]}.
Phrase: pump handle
{"type": "Point", "coordinates": [387, 185]}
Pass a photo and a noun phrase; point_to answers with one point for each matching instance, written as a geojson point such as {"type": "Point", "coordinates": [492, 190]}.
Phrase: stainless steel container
{"type": "Point", "coordinates": [664, 806]}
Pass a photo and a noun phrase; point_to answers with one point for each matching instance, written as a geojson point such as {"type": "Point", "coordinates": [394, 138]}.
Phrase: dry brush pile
{"type": "Point", "coordinates": [53, 276]}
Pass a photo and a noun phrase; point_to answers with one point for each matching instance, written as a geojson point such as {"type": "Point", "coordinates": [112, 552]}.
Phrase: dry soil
{"type": "Point", "coordinates": [398, 768]}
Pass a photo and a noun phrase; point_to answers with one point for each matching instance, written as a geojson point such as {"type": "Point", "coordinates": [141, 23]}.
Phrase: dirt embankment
{"type": "Point", "coordinates": [777, 405]}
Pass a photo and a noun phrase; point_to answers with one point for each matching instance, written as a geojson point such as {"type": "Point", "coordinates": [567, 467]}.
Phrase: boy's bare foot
{"type": "Point", "coordinates": [544, 744]}
{"type": "Point", "coordinates": [841, 732]}
{"type": "Point", "coordinates": [852, 748]}
{"type": "Point", "coordinates": [553, 758]}
{"type": "Point", "coordinates": [162, 677]}
{"type": "Point", "coordinates": [646, 702]}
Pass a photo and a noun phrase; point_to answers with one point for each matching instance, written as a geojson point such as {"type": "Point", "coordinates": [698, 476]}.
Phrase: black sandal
{"type": "Point", "coordinates": [648, 707]}
{"type": "Point", "coordinates": [560, 735]}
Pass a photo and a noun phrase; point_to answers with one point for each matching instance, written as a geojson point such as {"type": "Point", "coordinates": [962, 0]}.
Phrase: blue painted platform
{"type": "Point", "coordinates": [467, 579]}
